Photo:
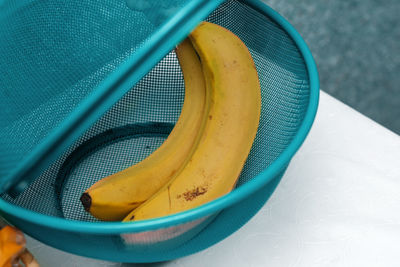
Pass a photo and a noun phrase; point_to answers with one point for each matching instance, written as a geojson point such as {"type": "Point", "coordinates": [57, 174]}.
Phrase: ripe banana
{"type": "Point", "coordinates": [232, 122]}
{"type": "Point", "coordinates": [113, 197]}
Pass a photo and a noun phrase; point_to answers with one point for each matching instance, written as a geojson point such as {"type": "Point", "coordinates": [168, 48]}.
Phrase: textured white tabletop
{"type": "Point", "coordinates": [338, 205]}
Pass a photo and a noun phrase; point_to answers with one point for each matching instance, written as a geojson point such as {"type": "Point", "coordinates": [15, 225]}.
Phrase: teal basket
{"type": "Point", "coordinates": [88, 88]}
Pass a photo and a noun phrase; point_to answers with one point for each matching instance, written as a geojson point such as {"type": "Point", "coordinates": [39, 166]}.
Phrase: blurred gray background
{"type": "Point", "coordinates": [356, 45]}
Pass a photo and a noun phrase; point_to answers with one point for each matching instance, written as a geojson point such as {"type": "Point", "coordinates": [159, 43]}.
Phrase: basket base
{"type": "Point", "coordinates": [103, 155]}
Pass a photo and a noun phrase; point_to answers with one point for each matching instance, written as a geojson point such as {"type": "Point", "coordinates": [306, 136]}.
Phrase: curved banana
{"type": "Point", "coordinates": [113, 197]}
{"type": "Point", "coordinates": [229, 133]}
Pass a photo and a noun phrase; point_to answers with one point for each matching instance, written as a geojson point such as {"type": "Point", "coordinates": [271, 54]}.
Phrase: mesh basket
{"type": "Point", "coordinates": [73, 113]}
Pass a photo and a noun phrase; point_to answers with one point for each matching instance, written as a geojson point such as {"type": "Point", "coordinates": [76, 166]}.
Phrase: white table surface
{"type": "Point", "coordinates": [338, 205]}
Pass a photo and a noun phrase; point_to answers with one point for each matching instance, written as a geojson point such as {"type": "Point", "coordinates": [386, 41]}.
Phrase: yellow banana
{"type": "Point", "coordinates": [228, 135]}
{"type": "Point", "coordinates": [113, 197]}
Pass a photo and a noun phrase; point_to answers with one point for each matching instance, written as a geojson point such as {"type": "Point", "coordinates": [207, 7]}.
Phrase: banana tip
{"type": "Point", "coordinates": [86, 201]}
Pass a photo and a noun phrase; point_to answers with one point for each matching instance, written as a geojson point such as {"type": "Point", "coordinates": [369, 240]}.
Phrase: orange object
{"type": "Point", "coordinates": [28, 259]}
{"type": "Point", "coordinates": [12, 249]}
{"type": "Point", "coordinates": [12, 244]}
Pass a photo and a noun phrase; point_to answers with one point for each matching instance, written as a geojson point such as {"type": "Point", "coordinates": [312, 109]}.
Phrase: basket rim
{"type": "Point", "coordinates": [245, 190]}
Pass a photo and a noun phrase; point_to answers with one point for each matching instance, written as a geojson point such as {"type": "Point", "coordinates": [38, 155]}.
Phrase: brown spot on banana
{"type": "Point", "coordinates": [189, 195]}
